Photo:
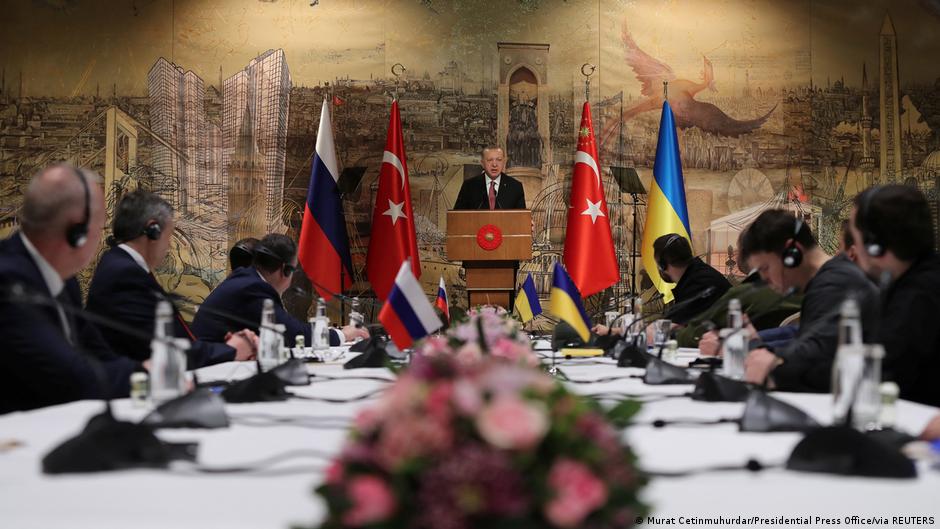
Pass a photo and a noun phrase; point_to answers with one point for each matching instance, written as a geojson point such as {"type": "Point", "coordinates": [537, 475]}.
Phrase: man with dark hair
{"type": "Point", "coordinates": [893, 232]}
{"type": "Point", "coordinates": [782, 248]}
{"type": "Point", "coordinates": [50, 355]}
{"type": "Point", "coordinates": [491, 189]}
{"type": "Point", "coordinates": [676, 264]}
{"type": "Point", "coordinates": [241, 296]}
{"type": "Point", "coordinates": [242, 253]}
{"type": "Point", "coordinates": [764, 307]}
{"type": "Point", "coordinates": [125, 289]}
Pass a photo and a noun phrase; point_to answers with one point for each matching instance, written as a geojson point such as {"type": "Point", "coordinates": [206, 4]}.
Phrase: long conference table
{"type": "Point", "coordinates": [283, 496]}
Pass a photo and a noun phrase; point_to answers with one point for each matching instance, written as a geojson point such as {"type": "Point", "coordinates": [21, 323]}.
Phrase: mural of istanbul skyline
{"type": "Point", "coordinates": [215, 105]}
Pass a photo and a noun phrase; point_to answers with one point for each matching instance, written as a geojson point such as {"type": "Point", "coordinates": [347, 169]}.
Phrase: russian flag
{"type": "Point", "coordinates": [324, 245]}
{"type": "Point", "coordinates": [407, 314]}
{"type": "Point", "coordinates": [442, 302]}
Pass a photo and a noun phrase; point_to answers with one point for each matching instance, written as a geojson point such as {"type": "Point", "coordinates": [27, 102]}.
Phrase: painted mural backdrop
{"type": "Point", "coordinates": [215, 105]}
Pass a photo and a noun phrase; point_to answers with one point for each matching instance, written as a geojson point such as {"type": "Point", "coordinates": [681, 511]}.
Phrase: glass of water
{"type": "Point", "coordinates": [661, 330]}
{"type": "Point", "coordinates": [867, 405]}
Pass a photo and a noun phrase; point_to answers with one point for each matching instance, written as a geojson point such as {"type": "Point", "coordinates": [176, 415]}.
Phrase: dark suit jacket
{"type": "Point", "coordinates": [910, 333]}
{"type": "Point", "coordinates": [242, 295]}
{"type": "Point", "coordinates": [473, 194]}
{"type": "Point", "coordinates": [123, 291]}
{"type": "Point", "coordinates": [697, 277]}
{"type": "Point", "coordinates": [38, 366]}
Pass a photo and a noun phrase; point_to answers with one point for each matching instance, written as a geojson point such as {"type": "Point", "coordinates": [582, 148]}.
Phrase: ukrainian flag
{"type": "Point", "coordinates": [527, 304]}
{"type": "Point", "coordinates": [566, 303]}
{"type": "Point", "coordinates": [666, 210]}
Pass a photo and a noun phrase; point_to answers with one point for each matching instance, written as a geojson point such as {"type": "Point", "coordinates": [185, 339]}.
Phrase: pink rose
{"type": "Point", "coordinates": [412, 436]}
{"type": "Point", "coordinates": [372, 501]}
{"type": "Point", "coordinates": [514, 351]}
{"type": "Point", "coordinates": [467, 398]}
{"type": "Point", "coordinates": [470, 354]}
{"type": "Point", "coordinates": [438, 403]}
{"type": "Point", "coordinates": [335, 473]}
{"type": "Point", "coordinates": [435, 346]}
{"type": "Point", "coordinates": [512, 423]}
{"type": "Point", "coordinates": [578, 492]}
{"type": "Point", "coordinates": [368, 419]}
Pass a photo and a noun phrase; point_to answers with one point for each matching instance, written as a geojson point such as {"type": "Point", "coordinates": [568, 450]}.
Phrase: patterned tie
{"type": "Point", "coordinates": [68, 319]}
{"type": "Point", "coordinates": [492, 194]}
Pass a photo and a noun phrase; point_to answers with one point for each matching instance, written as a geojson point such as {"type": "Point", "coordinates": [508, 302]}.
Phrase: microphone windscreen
{"type": "Point", "coordinates": [659, 373]}
{"type": "Point", "coordinates": [712, 387]}
{"type": "Point", "coordinates": [292, 373]}
{"type": "Point", "coordinates": [108, 444]}
{"type": "Point", "coordinates": [373, 355]}
{"type": "Point", "coordinates": [846, 451]}
{"type": "Point", "coordinates": [628, 354]}
{"type": "Point", "coordinates": [763, 413]}
{"type": "Point", "coordinates": [263, 387]}
{"type": "Point", "coordinates": [200, 408]}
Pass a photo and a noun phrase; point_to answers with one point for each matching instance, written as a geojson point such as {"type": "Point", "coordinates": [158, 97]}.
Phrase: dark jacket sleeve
{"type": "Point", "coordinates": [519, 202]}
{"type": "Point", "coordinates": [908, 332]}
{"type": "Point", "coordinates": [808, 358]}
{"type": "Point", "coordinates": [465, 197]}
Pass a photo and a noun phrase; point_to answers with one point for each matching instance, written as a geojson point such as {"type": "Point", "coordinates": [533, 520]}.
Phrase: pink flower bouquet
{"type": "Point", "coordinates": [457, 445]}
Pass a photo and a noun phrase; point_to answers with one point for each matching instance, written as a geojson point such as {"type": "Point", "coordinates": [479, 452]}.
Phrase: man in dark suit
{"type": "Point", "coordinates": [125, 289]}
{"type": "Point", "coordinates": [492, 189]}
{"type": "Point", "coordinates": [691, 275]}
{"type": "Point", "coordinates": [893, 234]}
{"type": "Point", "coordinates": [50, 355]}
{"type": "Point", "coordinates": [241, 296]}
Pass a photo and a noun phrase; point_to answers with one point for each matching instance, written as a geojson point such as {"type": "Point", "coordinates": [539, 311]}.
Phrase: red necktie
{"type": "Point", "coordinates": [492, 194]}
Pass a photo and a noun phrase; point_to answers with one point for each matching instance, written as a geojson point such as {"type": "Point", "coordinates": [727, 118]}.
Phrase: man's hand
{"type": "Point", "coordinates": [932, 431]}
{"type": "Point", "coordinates": [758, 365]}
{"type": "Point", "coordinates": [709, 345]}
{"type": "Point", "coordinates": [351, 332]}
{"type": "Point", "coordinates": [245, 343]}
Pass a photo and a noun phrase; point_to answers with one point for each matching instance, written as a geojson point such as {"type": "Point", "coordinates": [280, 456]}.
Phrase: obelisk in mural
{"type": "Point", "coordinates": [867, 163]}
{"type": "Point", "coordinates": [890, 119]}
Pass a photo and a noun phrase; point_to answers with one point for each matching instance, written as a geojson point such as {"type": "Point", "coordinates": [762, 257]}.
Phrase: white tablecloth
{"type": "Point", "coordinates": [179, 498]}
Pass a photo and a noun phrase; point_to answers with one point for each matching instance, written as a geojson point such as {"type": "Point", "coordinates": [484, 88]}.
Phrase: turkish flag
{"type": "Point", "coordinates": [589, 246]}
{"type": "Point", "coordinates": [393, 227]}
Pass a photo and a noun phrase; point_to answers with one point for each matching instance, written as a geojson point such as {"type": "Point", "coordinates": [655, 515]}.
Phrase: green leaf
{"type": "Point", "coordinates": [621, 414]}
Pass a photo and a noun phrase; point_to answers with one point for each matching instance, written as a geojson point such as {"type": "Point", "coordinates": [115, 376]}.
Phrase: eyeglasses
{"type": "Point", "coordinates": [289, 269]}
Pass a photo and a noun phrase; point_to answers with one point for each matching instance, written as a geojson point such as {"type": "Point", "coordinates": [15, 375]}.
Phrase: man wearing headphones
{"type": "Point", "coordinates": [50, 354]}
{"type": "Point", "coordinates": [692, 276]}
{"type": "Point", "coordinates": [125, 289]}
{"type": "Point", "coordinates": [242, 253]}
{"type": "Point", "coordinates": [893, 233]}
{"type": "Point", "coordinates": [242, 296]}
{"type": "Point", "coordinates": [783, 250]}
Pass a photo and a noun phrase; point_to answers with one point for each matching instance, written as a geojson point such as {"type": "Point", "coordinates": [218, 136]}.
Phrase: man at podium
{"type": "Point", "coordinates": [493, 189]}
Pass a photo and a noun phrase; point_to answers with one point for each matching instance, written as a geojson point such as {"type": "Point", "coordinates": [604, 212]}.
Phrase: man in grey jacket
{"type": "Point", "coordinates": [785, 253]}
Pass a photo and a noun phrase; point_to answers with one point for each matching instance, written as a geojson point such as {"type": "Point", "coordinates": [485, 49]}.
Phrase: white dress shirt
{"type": "Point", "coordinates": [53, 281]}
{"type": "Point", "coordinates": [135, 255]}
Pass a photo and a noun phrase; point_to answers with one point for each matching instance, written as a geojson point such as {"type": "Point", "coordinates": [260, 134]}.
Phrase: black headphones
{"type": "Point", "coordinates": [870, 241]}
{"type": "Point", "coordinates": [661, 262]}
{"type": "Point", "coordinates": [153, 230]}
{"type": "Point", "coordinates": [77, 234]}
{"type": "Point", "coordinates": [792, 255]}
{"type": "Point", "coordinates": [288, 269]}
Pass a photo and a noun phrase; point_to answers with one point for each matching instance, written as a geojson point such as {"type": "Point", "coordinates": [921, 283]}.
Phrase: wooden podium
{"type": "Point", "coordinates": [490, 243]}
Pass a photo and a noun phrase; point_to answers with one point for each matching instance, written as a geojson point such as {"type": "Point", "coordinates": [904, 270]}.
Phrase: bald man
{"type": "Point", "coordinates": [50, 355]}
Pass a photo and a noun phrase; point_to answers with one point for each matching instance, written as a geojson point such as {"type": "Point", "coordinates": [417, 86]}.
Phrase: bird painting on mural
{"type": "Point", "coordinates": [688, 111]}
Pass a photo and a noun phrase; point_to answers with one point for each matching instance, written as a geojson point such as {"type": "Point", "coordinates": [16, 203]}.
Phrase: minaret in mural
{"type": "Point", "coordinates": [867, 163]}
{"type": "Point", "coordinates": [890, 118]}
{"type": "Point", "coordinates": [246, 185]}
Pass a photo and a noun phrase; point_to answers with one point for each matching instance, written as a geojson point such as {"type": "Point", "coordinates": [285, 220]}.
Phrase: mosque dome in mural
{"type": "Point", "coordinates": [931, 165]}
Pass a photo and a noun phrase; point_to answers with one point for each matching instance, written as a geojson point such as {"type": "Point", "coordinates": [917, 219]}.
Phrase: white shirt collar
{"type": "Point", "coordinates": [488, 180]}
{"type": "Point", "coordinates": [53, 280]}
{"type": "Point", "coordinates": [135, 255]}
